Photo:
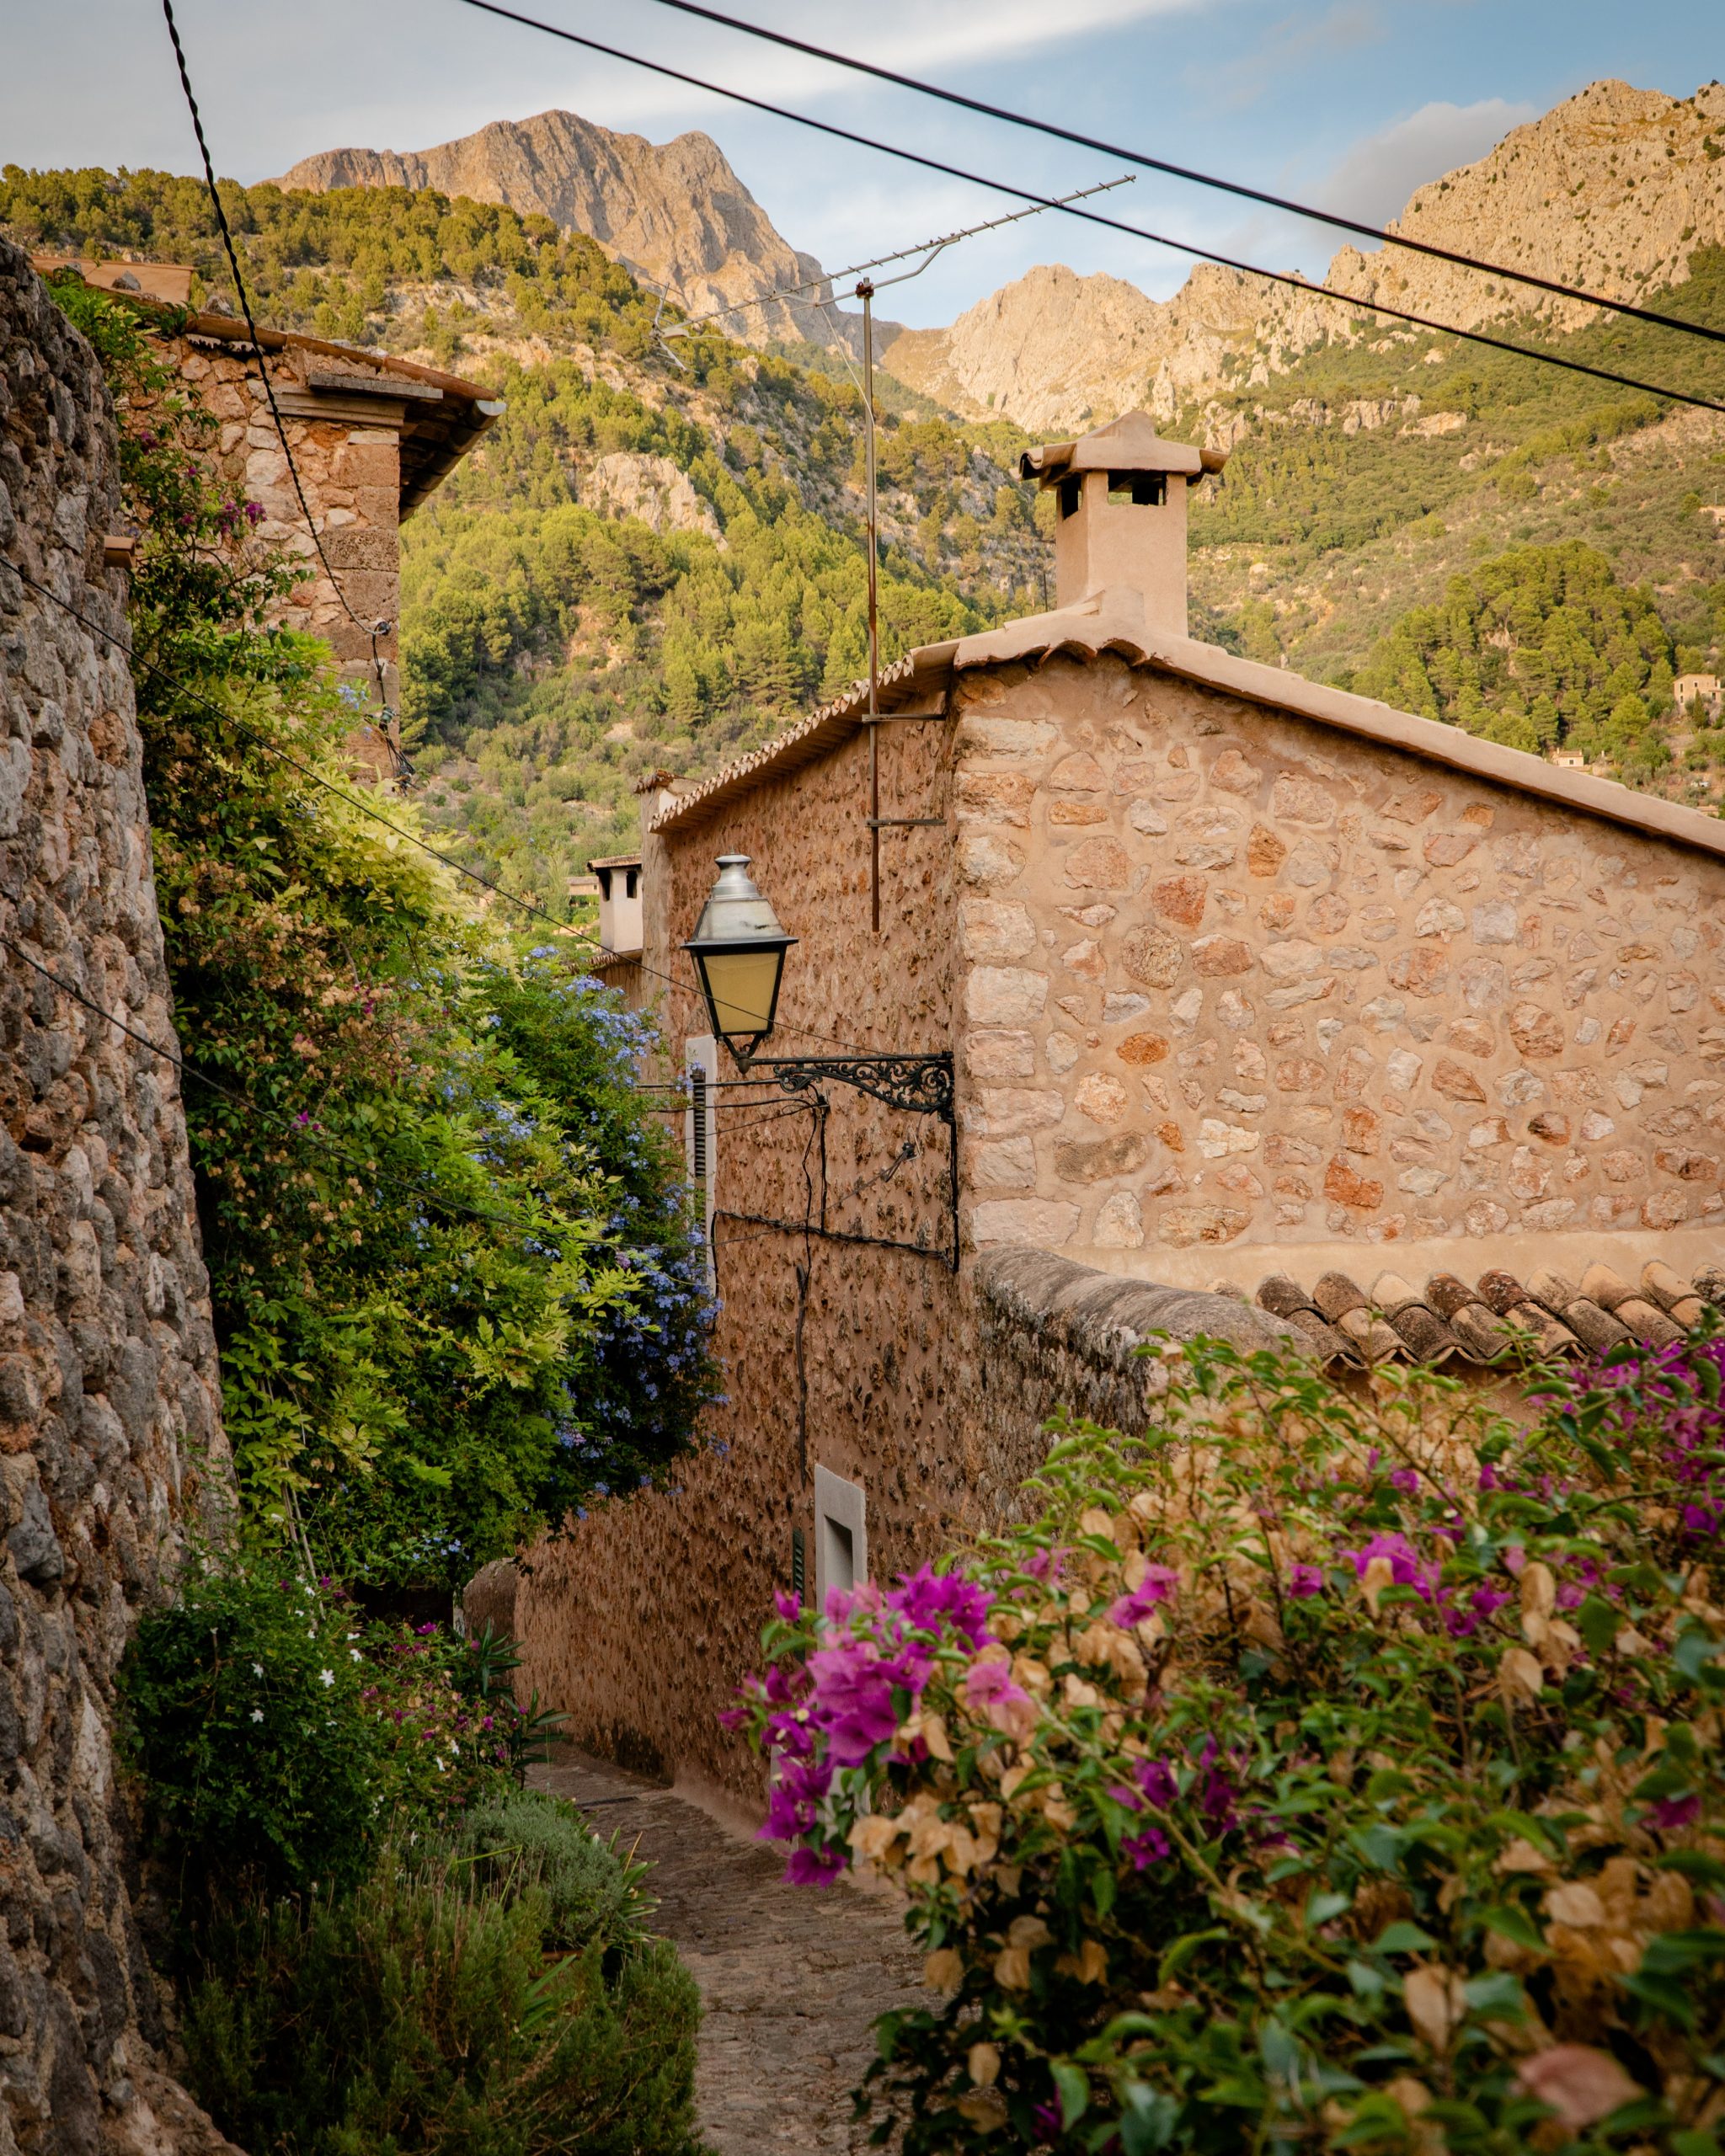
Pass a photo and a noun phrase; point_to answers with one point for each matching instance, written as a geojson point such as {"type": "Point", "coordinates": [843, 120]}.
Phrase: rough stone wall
{"type": "Point", "coordinates": [110, 1436]}
{"type": "Point", "coordinates": [1055, 1336]}
{"type": "Point", "coordinates": [1235, 980]}
{"type": "Point", "coordinates": [351, 474]}
{"type": "Point", "coordinates": [640, 1623]}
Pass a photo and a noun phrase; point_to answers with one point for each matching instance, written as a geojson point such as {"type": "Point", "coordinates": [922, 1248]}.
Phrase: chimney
{"type": "Point", "coordinates": [1120, 496]}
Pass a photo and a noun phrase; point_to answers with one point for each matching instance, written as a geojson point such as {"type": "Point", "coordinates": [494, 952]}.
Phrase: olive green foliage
{"type": "Point", "coordinates": [1539, 647]}
{"type": "Point", "coordinates": [525, 1836]}
{"type": "Point", "coordinates": [567, 653]}
{"type": "Point", "coordinates": [1353, 500]}
{"type": "Point", "coordinates": [433, 2013]}
{"type": "Point", "coordinates": [415, 1221]}
{"type": "Point", "coordinates": [329, 263]}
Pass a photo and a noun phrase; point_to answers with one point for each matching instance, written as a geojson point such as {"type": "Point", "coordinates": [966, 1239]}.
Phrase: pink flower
{"type": "Point", "coordinates": [1157, 1585]}
{"type": "Point", "coordinates": [808, 1867]}
{"type": "Point", "coordinates": [1145, 1850]}
{"type": "Point", "coordinates": [932, 1601]}
{"type": "Point", "coordinates": [787, 1604]}
{"type": "Point", "coordinates": [1305, 1582]}
{"type": "Point", "coordinates": [991, 1690]}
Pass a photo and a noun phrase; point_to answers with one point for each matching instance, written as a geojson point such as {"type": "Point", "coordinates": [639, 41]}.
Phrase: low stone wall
{"type": "Point", "coordinates": [110, 1432]}
{"type": "Point", "coordinates": [1053, 1334]}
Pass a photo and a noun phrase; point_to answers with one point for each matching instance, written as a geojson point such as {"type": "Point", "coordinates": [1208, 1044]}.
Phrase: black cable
{"type": "Point", "coordinates": [355, 801]}
{"type": "Point", "coordinates": [1331, 217]}
{"type": "Point", "coordinates": [353, 1162]}
{"type": "Point", "coordinates": [1094, 217]}
{"type": "Point", "coordinates": [365, 628]}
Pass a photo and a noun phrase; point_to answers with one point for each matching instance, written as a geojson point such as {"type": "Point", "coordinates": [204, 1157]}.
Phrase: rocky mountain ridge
{"type": "Point", "coordinates": [1612, 190]}
{"type": "Point", "coordinates": [675, 214]}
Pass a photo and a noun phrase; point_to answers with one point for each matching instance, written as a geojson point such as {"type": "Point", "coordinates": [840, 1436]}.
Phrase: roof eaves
{"type": "Point", "coordinates": [806, 742]}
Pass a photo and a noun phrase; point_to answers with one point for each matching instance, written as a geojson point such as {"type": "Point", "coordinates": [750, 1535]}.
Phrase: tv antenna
{"type": "Point", "coordinates": [929, 251]}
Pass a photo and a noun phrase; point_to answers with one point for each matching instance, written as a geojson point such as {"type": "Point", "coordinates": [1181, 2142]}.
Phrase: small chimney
{"type": "Point", "coordinates": [620, 906]}
{"type": "Point", "coordinates": [1121, 502]}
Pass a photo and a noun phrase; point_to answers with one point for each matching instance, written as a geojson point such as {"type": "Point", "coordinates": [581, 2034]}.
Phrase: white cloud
{"type": "Point", "coordinates": [1374, 179]}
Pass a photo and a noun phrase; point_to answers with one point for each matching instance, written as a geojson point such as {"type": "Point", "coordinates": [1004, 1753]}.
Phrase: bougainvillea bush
{"type": "Point", "coordinates": [1321, 1769]}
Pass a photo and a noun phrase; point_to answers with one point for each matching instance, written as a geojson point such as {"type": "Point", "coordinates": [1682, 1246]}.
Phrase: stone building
{"type": "Point", "coordinates": [371, 436]}
{"type": "Point", "coordinates": [112, 1453]}
{"type": "Point", "coordinates": [1271, 1009]}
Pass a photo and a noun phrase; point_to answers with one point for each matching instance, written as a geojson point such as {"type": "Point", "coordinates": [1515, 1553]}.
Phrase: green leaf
{"type": "Point", "coordinates": [1599, 1622]}
{"type": "Point", "coordinates": [1074, 2086]}
{"type": "Point", "coordinates": [1497, 1996]}
{"type": "Point", "coordinates": [1178, 1955]}
{"type": "Point", "coordinates": [1322, 1908]}
{"type": "Point", "coordinates": [1513, 1922]}
{"type": "Point", "coordinates": [1402, 1937]}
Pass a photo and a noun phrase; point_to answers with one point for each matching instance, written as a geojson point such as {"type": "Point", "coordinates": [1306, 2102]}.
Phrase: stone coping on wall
{"type": "Point", "coordinates": [1231, 1267]}
{"type": "Point", "coordinates": [1112, 622]}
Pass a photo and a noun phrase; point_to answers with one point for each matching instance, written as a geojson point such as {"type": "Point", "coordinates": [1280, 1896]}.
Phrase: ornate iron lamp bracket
{"type": "Point", "coordinates": [922, 1085]}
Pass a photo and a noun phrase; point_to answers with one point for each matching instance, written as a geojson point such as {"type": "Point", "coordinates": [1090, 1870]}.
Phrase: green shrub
{"type": "Point", "coordinates": [276, 1740]}
{"type": "Point", "coordinates": [427, 2016]}
{"type": "Point", "coordinates": [1319, 1771]}
{"type": "Point", "coordinates": [528, 1839]}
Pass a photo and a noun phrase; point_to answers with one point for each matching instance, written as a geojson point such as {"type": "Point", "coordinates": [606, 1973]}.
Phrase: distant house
{"type": "Point", "coordinates": [371, 436]}
{"type": "Point", "coordinates": [1273, 1012]}
{"type": "Point", "coordinates": [1689, 690]}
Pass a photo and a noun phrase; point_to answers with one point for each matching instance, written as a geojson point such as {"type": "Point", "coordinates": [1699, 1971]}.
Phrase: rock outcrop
{"type": "Point", "coordinates": [674, 213]}
{"type": "Point", "coordinates": [111, 1446]}
{"type": "Point", "coordinates": [1612, 190]}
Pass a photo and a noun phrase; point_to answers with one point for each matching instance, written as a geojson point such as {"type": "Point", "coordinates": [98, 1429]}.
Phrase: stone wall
{"type": "Point", "coordinates": [110, 1438]}
{"type": "Point", "coordinates": [351, 475]}
{"type": "Point", "coordinates": [1053, 1336]}
{"type": "Point", "coordinates": [1241, 987]}
{"type": "Point", "coordinates": [839, 1354]}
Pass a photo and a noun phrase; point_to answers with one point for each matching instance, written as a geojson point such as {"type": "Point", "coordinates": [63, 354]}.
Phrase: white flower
{"type": "Point", "coordinates": [326, 1675]}
{"type": "Point", "coordinates": [257, 1669]}
{"type": "Point", "coordinates": [355, 1655]}
{"type": "Point", "coordinates": [257, 1714]}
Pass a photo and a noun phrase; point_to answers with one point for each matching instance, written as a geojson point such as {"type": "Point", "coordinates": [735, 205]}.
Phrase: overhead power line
{"type": "Point", "coordinates": [301, 1134]}
{"type": "Point", "coordinates": [1333, 218]}
{"type": "Point", "coordinates": [1298, 284]}
{"type": "Point", "coordinates": [355, 801]}
{"type": "Point", "coordinates": [929, 248]}
{"type": "Point", "coordinates": [369, 629]}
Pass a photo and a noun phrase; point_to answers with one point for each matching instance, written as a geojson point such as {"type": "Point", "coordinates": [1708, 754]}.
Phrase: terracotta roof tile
{"type": "Point", "coordinates": [1446, 1320]}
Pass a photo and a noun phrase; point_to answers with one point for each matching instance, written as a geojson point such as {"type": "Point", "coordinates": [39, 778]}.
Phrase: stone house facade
{"type": "Point", "coordinates": [371, 436]}
{"type": "Point", "coordinates": [1243, 976]}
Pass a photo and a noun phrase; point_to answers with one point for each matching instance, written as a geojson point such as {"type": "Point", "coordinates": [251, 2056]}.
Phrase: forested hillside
{"type": "Point", "coordinates": [655, 558]}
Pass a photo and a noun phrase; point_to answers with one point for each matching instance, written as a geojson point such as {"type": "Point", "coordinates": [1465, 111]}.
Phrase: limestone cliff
{"type": "Point", "coordinates": [674, 213]}
{"type": "Point", "coordinates": [111, 1443]}
{"type": "Point", "coordinates": [1612, 190]}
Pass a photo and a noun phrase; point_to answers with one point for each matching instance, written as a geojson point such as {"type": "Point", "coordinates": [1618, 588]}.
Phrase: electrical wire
{"type": "Point", "coordinates": [353, 1162]}
{"type": "Point", "coordinates": [1110, 224]}
{"type": "Point", "coordinates": [1335, 219]}
{"type": "Point", "coordinates": [355, 801]}
{"type": "Point", "coordinates": [368, 629]}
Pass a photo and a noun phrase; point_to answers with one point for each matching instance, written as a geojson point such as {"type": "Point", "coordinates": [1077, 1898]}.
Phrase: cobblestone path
{"type": "Point", "coordinates": [791, 1977]}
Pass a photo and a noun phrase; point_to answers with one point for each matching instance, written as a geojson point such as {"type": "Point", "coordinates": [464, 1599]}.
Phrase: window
{"type": "Point", "coordinates": [840, 1535]}
{"type": "Point", "coordinates": [1071, 494]}
{"type": "Point", "coordinates": [1142, 489]}
{"type": "Point", "coordinates": [700, 1132]}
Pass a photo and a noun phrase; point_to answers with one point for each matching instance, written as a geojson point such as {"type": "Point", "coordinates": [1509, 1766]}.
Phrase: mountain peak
{"type": "Point", "coordinates": [674, 213]}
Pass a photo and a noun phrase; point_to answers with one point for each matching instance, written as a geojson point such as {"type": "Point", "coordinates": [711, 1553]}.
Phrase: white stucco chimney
{"type": "Point", "coordinates": [1120, 496]}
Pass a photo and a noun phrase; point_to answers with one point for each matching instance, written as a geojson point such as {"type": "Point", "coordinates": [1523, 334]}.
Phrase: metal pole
{"type": "Point", "coordinates": [865, 292]}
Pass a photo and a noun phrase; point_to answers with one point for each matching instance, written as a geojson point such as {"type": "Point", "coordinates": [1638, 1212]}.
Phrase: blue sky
{"type": "Point", "coordinates": [1348, 102]}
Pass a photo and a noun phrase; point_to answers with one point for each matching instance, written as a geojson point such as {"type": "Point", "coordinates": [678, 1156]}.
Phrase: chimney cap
{"type": "Point", "coordinates": [1128, 444]}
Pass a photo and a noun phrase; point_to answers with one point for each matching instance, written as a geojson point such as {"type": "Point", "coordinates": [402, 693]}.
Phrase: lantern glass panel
{"type": "Point", "coordinates": [742, 988]}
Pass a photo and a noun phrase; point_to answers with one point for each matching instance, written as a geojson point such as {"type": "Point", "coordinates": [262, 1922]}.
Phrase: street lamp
{"type": "Point", "coordinates": [739, 950]}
